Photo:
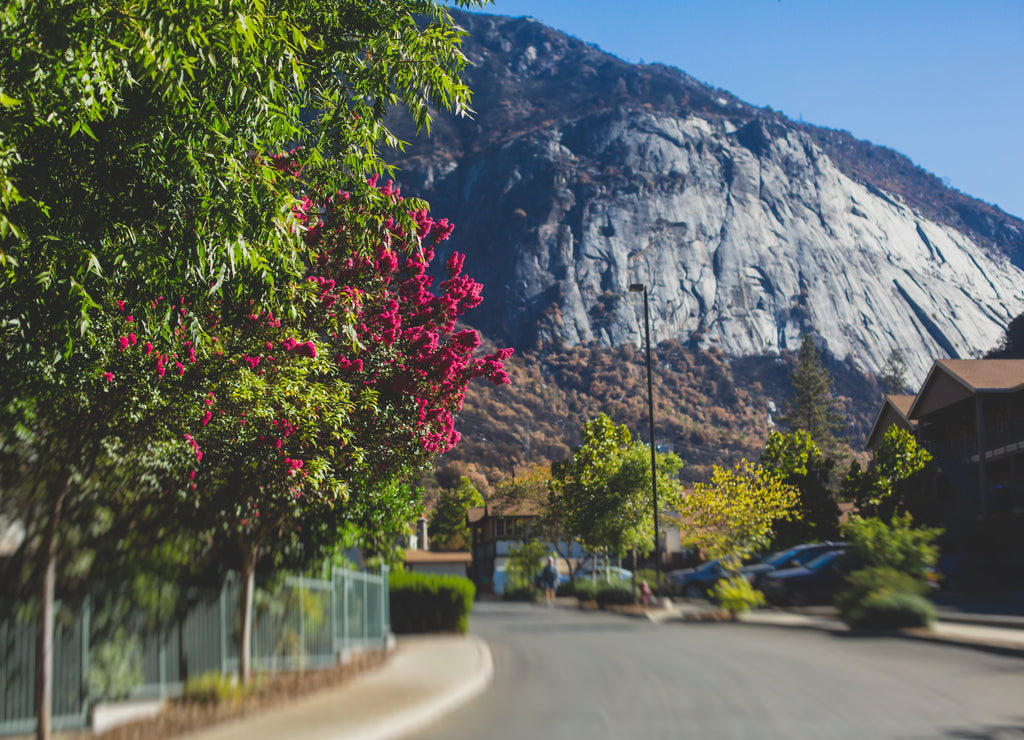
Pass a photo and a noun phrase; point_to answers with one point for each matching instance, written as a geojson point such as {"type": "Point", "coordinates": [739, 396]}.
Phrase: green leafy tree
{"type": "Point", "coordinates": [579, 485]}
{"type": "Point", "coordinates": [810, 406]}
{"type": "Point", "coordinates": [898, 544]}
{"type": "Point", "coordinates": [159, 119]}
{"type": "Point", "coordinates": [798, 462]}
{"type": "Point", "coordinates": [448, 527]}
{"type": "Point", "coordinates": [526, 559]}
{"type": "Point", "coordinates": [895, 479]}
{"type": "Point", "coordinates": [632, 505]}
{"type": "Point", "coordinates": [733, 516]}
{"type": "Point", "coordinates": [530, 490]}
{"type": "Point", "coordinates": [602, 496]}
{"type": "Point", "coordinates": [378, 516]}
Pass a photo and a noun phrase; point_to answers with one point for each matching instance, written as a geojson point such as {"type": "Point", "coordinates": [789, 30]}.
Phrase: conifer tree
{"type": "Point", "coordinates": [810, 406]}
{"type": "Point", "coordinates": [894, 374]}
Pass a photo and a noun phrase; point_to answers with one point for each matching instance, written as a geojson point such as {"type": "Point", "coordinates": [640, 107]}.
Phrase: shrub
{"type": "Point", "coordinates": [868, 588]}
{"type": "Point", "coordinates": [894, 610]}
{"type": "Point", "coordinates": [614, 593]}
{"type": "Point", "coordinates": [213, 688]}
{"type": "Point", "coordinates": [584, 589]}
{"type": "Point", "coordinates": [115, 667]}
{"type": "Point", "coordinates": [898, 545]}
{"type": "Point", "coordinates": [430, 603]}
{"type": "Point", "coordinates": [736, 595]}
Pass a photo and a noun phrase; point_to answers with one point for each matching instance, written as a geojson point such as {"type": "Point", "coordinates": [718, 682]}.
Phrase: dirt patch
{"type": "Point", "coordinates": [182, 717]}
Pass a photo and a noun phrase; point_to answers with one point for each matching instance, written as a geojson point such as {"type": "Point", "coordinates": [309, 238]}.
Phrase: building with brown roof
{"type": "Point", "coordinates": [494, 528]}
{"type": "Point", "coordinates": [894, 412]}
{"type": "Point", "coordinates": [969, 414]}
{"type": "Point", "coordinates": [453, 562]}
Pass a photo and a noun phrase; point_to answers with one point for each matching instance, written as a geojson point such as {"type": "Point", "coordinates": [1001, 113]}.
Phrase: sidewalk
{"type": "Point", "coordinates": [425, 678]}
{"type": "Point", "coordinates": [997, 632]}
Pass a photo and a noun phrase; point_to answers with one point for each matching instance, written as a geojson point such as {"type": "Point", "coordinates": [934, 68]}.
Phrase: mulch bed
{"type": "Point", "coordinates": [183, 717]}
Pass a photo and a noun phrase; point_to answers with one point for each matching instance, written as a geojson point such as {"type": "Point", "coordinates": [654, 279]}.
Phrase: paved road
{"type": "Point", "coordinates": [560, 673]}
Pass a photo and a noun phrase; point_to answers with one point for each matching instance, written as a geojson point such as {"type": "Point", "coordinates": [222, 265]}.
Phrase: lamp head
{"type": "Point", "coordinates": [637, 288]}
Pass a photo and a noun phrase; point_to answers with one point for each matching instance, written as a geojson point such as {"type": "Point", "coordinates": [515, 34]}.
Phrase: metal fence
{"type": "Point", "coordinates": [305, 624]}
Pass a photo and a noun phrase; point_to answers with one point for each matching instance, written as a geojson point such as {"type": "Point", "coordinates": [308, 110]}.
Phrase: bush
{"type": "Point", "coordinates": [736, 595]}
{"type": "Point", "coordinates": [115, 667]}
{"type": "Point", "coordinates": [614, 593]}
{"type": "Point", "coordinates": [894, 610]}
{"type": "Point", "coordinates": [898, 545]}
{"type": "Point", "coordinates": [582, 589]}
{"type": "Point", "coordinates": [213, 688]}
{"type": "Point", "coordinates": [875, 596]}
{"type": "Point", "coordinates": [430, 603]}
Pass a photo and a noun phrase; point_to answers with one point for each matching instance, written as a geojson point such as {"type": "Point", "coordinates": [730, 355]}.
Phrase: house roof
{"type": "Point", "coordinates": [434, 558]}
{"type": "Point", "coordinates": [951, 381]}
{"type": "Point", "coordinates": [895, 409]}
{"type": "Point", "coordinates": [503, 507]}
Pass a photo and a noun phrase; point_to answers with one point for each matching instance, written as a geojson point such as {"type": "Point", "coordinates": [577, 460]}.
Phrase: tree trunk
{"type": "Point", "coordinates": [249, 583]}
{"type": "Point", "coordinates": [44, 632]}
{"type": "Point", "coordinates": [635, 565]}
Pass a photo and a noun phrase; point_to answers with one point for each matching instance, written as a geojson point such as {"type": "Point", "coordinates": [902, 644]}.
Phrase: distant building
{"type": "Point", "coordinates": [494, 529]}
{"type": "Point", "coordinates": [453, 563]}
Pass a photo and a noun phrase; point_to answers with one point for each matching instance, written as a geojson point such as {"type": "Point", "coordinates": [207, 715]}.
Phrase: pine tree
{"type": "Point", "coordinates": [810, 406]}
{"type": "Point", "coordinates": [894, 374]}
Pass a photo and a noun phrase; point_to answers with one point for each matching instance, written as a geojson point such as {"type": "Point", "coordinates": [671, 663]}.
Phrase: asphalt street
{"type": "Point", "coordinates": [563, 673]}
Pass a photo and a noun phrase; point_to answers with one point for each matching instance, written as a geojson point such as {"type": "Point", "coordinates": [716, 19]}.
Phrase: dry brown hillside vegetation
{"type": "Point", "coordinates": [709, 408]}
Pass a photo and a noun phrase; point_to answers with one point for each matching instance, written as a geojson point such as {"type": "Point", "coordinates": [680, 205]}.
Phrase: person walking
{"type": "Point", "coordinates": [550, 579]}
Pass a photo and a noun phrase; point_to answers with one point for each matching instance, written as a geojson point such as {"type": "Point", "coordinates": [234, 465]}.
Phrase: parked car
{"type": "Point", "coordinates": [611, 573]}
{"type": "Point", "coordinates": [695, 583]}
{"type": "Point", "coordinates": [816, 582]}
{"type": "Point", "coordinates": [790, 558]}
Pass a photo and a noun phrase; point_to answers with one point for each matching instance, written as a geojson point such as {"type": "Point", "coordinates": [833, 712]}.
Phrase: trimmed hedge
{"type": "Point", "coordinates": [421, 602]}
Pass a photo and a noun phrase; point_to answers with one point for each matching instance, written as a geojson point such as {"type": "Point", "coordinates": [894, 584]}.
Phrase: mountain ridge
{"type": "Point", "coordinates": [581, 174]}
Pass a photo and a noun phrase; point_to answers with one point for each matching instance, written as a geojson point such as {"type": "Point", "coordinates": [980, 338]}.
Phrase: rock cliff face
{"type": "Point", "coordinates": [747, 231]}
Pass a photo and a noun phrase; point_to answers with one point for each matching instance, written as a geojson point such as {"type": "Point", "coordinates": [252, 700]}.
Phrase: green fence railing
{"type": "Point", "coordinates": [305, 624]}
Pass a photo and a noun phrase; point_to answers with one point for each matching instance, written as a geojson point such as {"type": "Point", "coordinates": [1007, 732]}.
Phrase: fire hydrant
{"type": "Point", "coordinates": [645, 592]}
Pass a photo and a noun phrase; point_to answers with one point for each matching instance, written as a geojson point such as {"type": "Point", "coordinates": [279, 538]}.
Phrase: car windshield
{"type": "Point", "coordinates": [822, 560]}
{"type": "Point", "coordinates": [778, 557]}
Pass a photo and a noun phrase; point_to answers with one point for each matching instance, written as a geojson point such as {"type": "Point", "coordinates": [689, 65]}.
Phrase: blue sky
{"type": "Point", "coordinates": [941, 81]}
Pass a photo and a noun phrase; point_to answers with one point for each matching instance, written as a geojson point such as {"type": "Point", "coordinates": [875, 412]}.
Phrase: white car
{"type": "Point", "coordinates": [612, 573]}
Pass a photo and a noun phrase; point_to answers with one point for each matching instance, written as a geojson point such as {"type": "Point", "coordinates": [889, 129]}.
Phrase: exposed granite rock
{"type": "Point", "coordinates": [747, 233]}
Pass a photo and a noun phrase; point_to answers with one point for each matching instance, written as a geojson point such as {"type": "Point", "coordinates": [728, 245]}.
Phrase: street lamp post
{"type": "Point", "coordinates": [642, 288]}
